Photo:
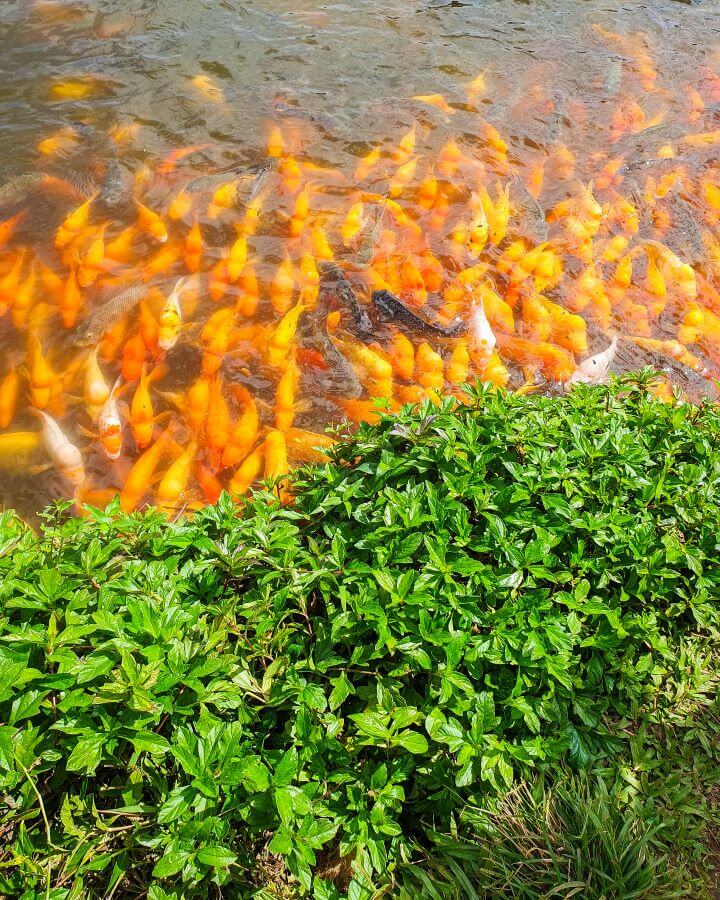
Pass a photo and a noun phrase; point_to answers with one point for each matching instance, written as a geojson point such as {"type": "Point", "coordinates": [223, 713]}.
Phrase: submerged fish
{"type": "Point", "coordinates": [114, 190]}
{"type": "Point", "coordinates": [557, 120]}
{"type": "Point", "coordinates": [528, 211]}
{"type": "Point", "coordinates": [244, 172]}
{"type": "Point", "coordinates": [595, 369]}
{"type": "Point", "coordinates": [370, 239]}
{"type": "Point", "coordinates": [263, 170]}
{"type": "Point", "coordinates": [613, 78]}
{"type": "Point", "coordinates": [108, 314]}
{"type": "Point", "coordinates": [339, 379]}
{"type": "Point", "coordinates": [684, 228]}
{"type": "Point", "coordinates": [334, 280]}
{"type": "Point", "coordinates": [392, 309]}
{"type": "Point", "coordinates": [61, 450]}
{"type": "Point", "coordinates": [18, 449]}
{"type": "Point", "coordinates": [18, 188]}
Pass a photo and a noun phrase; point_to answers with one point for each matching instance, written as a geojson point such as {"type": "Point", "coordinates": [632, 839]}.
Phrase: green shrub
{"type": "Point", "coordinates": [302, 693]}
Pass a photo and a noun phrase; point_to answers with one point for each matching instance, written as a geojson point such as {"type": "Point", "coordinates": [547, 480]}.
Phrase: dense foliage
{"type": "Point", "coordinates": [300, 695]}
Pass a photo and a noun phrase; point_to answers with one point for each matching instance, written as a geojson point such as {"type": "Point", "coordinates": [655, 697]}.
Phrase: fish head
{"type": "Point", "coordinates": [142, 433]}
{"type": "Point", "coordinates": [111, 440]}
{"type": "Point", "coordinates": [75, 474]}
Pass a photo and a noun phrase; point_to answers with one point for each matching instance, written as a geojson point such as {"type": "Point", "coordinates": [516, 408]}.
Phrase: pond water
{"type": "Point", "coordinates": [403, 196]}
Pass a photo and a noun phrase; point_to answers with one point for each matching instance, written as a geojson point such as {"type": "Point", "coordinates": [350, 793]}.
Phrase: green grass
{"type": "Point", "coordinates": [568, 839]}
{"type": "Point", "coordinates": [373, 691]}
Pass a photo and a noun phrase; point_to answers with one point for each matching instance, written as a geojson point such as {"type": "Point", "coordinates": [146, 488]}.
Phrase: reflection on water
{"type": "Point", "coordinates": [228, 225]}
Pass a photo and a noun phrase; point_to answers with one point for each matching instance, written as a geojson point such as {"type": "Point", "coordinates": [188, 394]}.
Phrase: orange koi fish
{"type": "Point", "coordinates": [150, 223]}
{"type": "Point", "coordinates": [93, 263]}
{"type": "Point", "coordinates": [209, 484]}
{"type": "Point", "coordinates": [172, 489]}
{"type": "Point", "coordinates": [41, 378]}
{"type": "Point", "coordinates": [401, 356]}
{"type": "Point", "coordinates": [170, 161]}
{"type": "Point", "coordinates": [249, 295]}
{"type": "Point", "coordinates": [367, 163]}
{"type": "Point", "coordinates": [133, 357]}
{"type": "Point", "coordinates": [283, 336]}
{"type": "Point", "coordinates": [276, 462]}
{"type": "Point", "coordinates": [554, 363]}
{"type": "Point", "coordinates": [9, 389]}
{"type": "Point", "coordinates": [193, 247]}
{"type": "Point", "coordinates": [9, 227]}
{"type": "Point", "coordinates": [282, 287]}
{"type": "Point", "coordinates": [170, 319]}
{"type": "Point", "coordinates": [237, 257]}
{"type": "Point", "coordinates": [207, 89]}
{"type": "Point", "coordinates": [74, 224]}
{"type": "Point", "coordinates": [217, 424]}
{"type": "Point", "coordinates": [245, 432]}
{"type": "Point", "coordinates": [429, 367]}
{"type": "Point", "coordinates": [285, 397]}
{"type": "Point", "coordinates": [71, 302]}
{"type": "Point", "coordinates": [142, 415]}
{"type": "Point", "coordinates": [248, 472]}
{"type": "Point", "coordinates": [9, 283]}
{"type": "Point", "coordinates": [436, 100]}
{"type": "Point", "coordinates": [95, 390]}
{"type": "Point", "coordinates": [24, 299]}
{"type": "Point", "coordinates": [300, 214]}
{"type": "Point", "coordinates": [308, 446]}
{"type": "Point", "coordinates": [215, 339]}
{"type": "Point", "coordinates": [141, 474]}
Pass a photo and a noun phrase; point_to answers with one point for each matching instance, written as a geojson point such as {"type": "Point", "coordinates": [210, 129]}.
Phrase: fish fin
{"type": "Point", "coordinates": [87, 433]}
{"type": "Point", "coordinates": [241, 394]}
{"type": "Point", "coordinates": [177, 400]}
{"type": "Point", "coordinates": [528, 387]}
{"type": "Point", "coordinates": [158, 373]}
{"type": "Point", "coordinates": [38, 469]}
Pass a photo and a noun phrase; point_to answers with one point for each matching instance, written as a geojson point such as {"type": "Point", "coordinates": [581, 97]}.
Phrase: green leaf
{"type": "Point", "coordinates": [147, 741]}
{"type": "Point", "coordinates": [216, 856]}
{"type": "Point", "coordinates": [342, 688]}
{"type": "Point", "coordinates": [412, 741]}
{"type": "Point", "coordinates": [286, 769]}
{"type": "Point", "coordinates": [281, 843]}
{"type": "Point", "coordinates": [170, 864]}
{"type": "Point", "coordinates": [176, 805]}
{"type": "Point", "coordinates": [284, 805]}
{"type": "Point", "coordinates": [86, 754]}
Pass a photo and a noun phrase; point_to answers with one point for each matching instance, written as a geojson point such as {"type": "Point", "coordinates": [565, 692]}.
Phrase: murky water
{"type": "Point", "coordinates": [422, 145]}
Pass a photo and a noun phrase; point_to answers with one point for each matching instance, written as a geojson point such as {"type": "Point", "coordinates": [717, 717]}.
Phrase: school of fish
{"type": "Point", "coordinates": [185, 332]}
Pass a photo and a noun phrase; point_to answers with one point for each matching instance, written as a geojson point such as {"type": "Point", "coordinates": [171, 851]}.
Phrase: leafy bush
{"type": "Point", "coordinates": [293, 697]}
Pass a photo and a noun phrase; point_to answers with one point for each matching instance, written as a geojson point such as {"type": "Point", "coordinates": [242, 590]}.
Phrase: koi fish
{"type": "Point", "coordinates": [96, 391]}
{"type": "Point", "coordinates": [245, 431]}
{"type": "Point", "coordinates": [172, 489]}
{"type": "Point", "coordinates": [64, 454]}
{"type": "Point", "coordinates": [140, 476]}
{"type": "Point", "coordinates": [110, 424]}
{"type": "Point", "coordinates": [9, 389]}
{"type": "Point", "coordinates": [170, 319]}
{"type": "Point", "coordinates": [595, 369]}
{"type": "Point", "coordinates": [482, 337]}
{"type": "Point", "coordinates": [142, 416]}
